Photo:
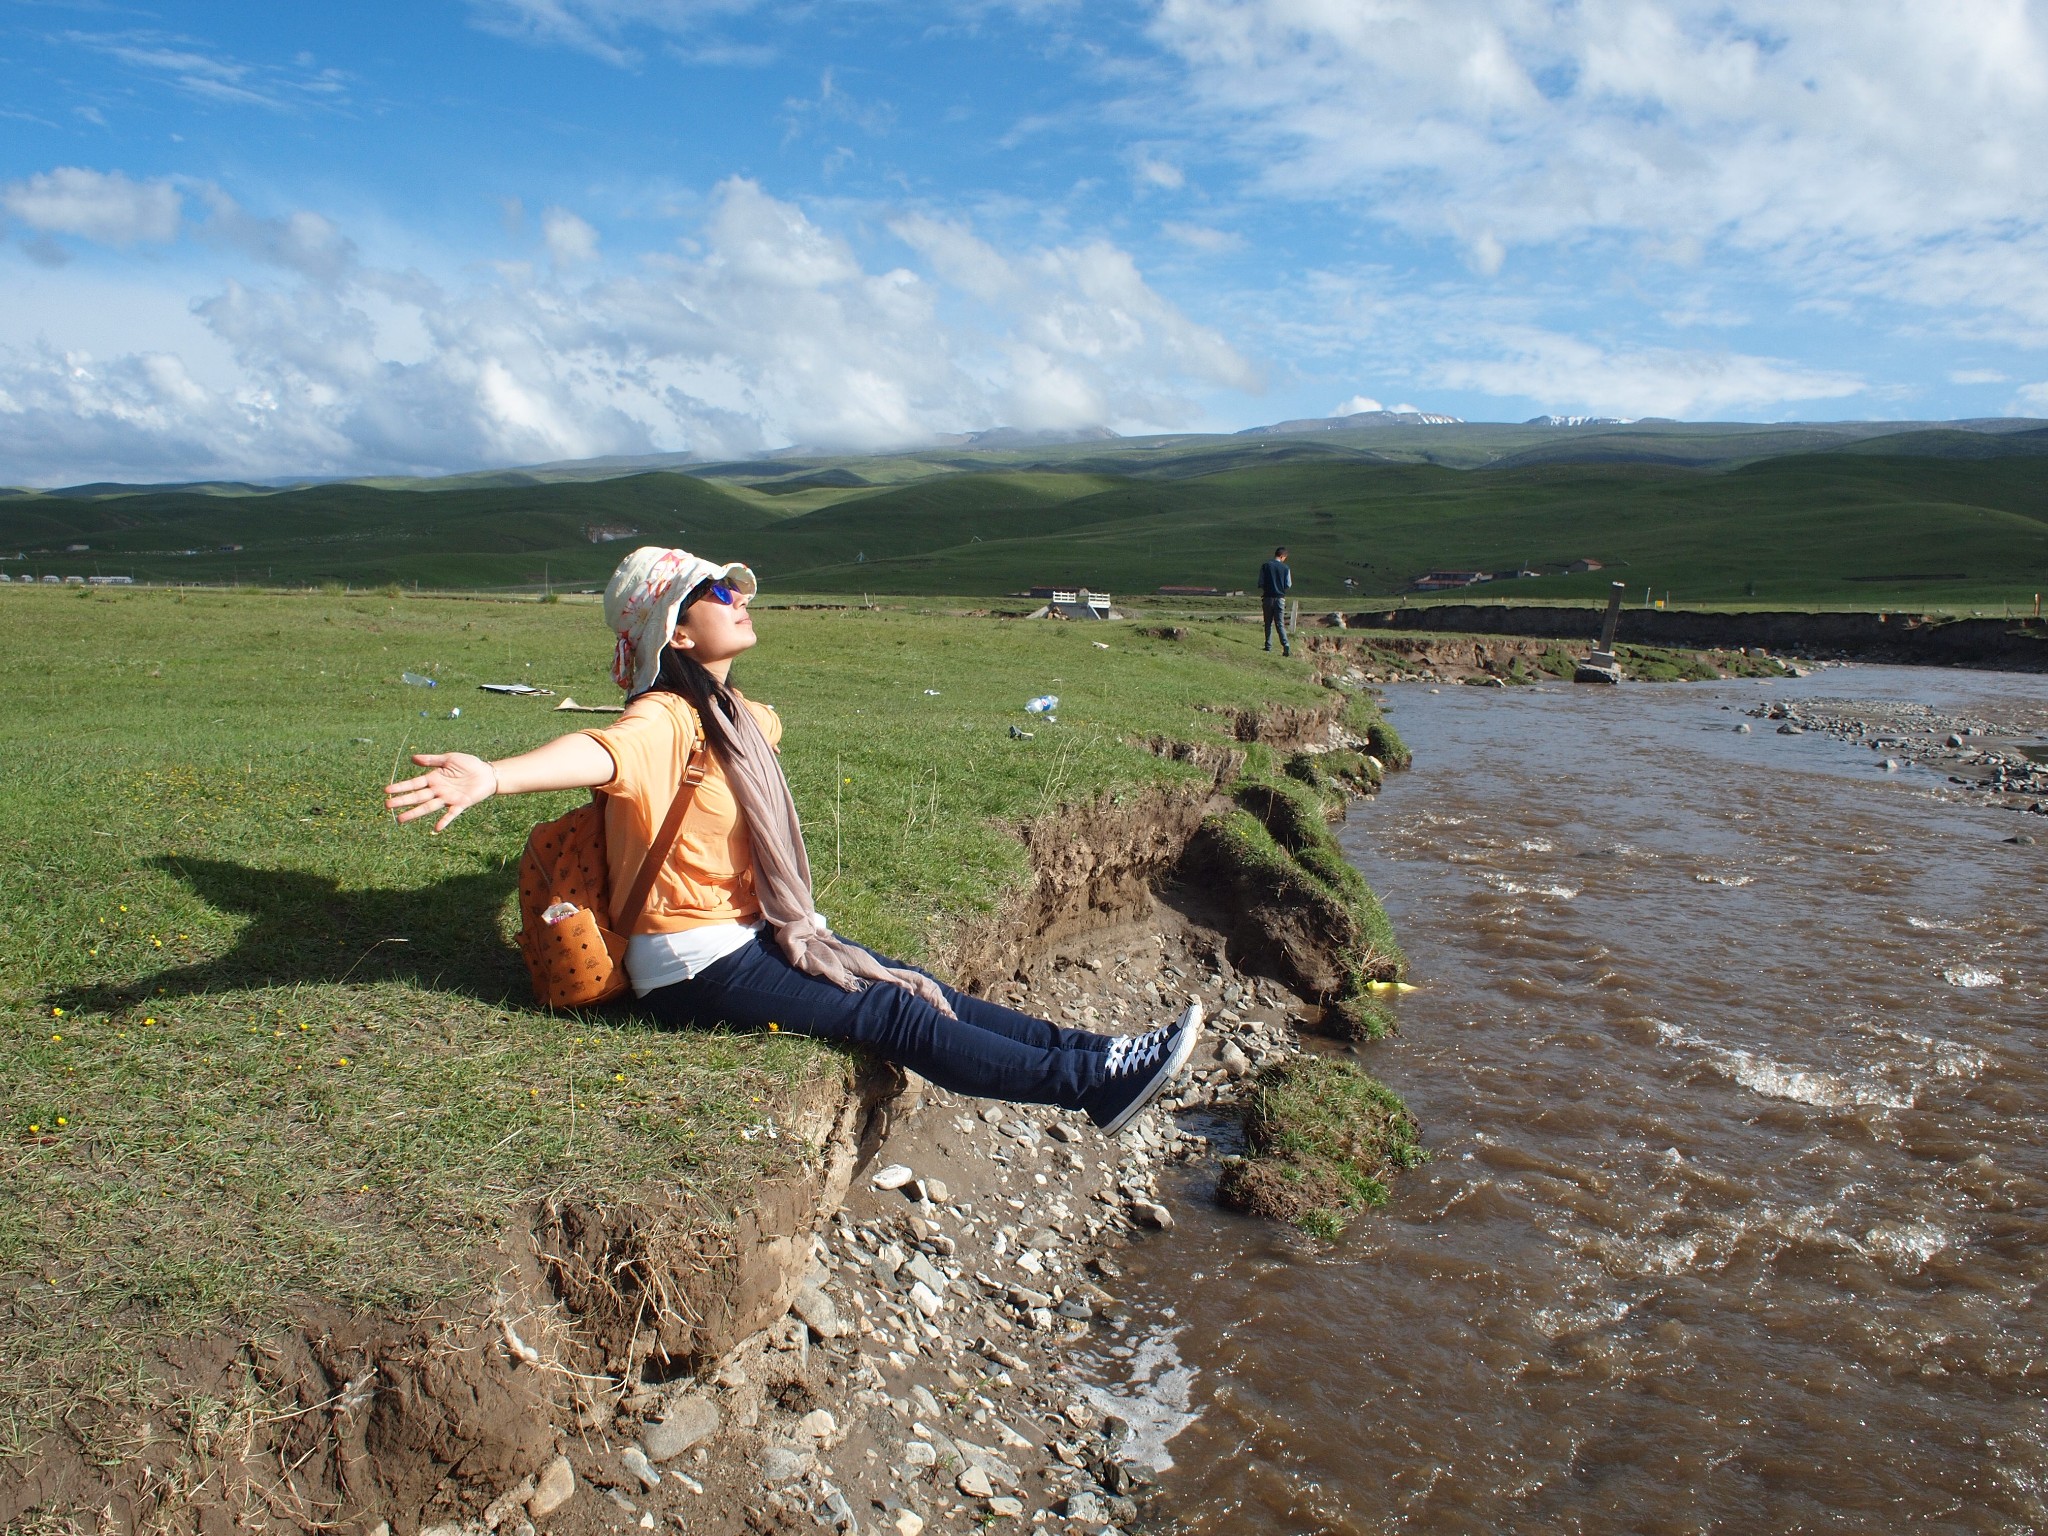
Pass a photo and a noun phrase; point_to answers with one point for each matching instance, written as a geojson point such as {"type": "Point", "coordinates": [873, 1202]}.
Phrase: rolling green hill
{"type": "Point", "coordinates": [1855, 526]}
{"type": "Point", "coordinates": [490, 536]}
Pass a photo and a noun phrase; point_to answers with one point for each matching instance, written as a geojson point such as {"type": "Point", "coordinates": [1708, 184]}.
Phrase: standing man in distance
{"type": "Point", "coordinates": [1274, 580]}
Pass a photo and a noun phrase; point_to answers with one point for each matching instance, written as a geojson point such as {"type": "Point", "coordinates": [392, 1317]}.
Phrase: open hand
{"type": "Point", "coordinates": [453, 783]}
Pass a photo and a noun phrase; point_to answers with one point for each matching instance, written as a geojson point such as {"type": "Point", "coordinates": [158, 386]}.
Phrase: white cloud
{"type": "Point", "coordinates": [1358, 405]}
{"type": "Point", "coordinates": [1200, 237]}
{"type": "Point", "coordinates": [570, 241]}
{"type": "Point", "coordinates": [1578, 376]}
{"type": "Point", "coordinates": [598, 27]}
{"type": "Point", "coordinates": [103, 206]}
{"type": "Point", "coordinates": [1154, 172]}
{"type": "Point", "coordinates": [1058, 316]}
{"type": "Point", "coordinates": [768, 329]}
{"type": "Point", "coordinates": [2032, 400]}
{"type": "Point", "coordinates": [302, 241]}
{"type": "Point", "coordinates": [215, 77]}
{"type": "Point", "coordinates": [1978, 376]}
{"type": "Point", "coordinates": [1856, 149]}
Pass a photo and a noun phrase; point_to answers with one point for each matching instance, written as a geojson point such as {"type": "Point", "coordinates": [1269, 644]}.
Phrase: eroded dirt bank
{"type": "Point", "coordinates": [2019, 645]}
{"type": "Point", "coordinates": [958, 1352]}
{"type": "Point", "coordinates": [1375, 656]}
{"type": "Point", "coordinates": [638, 1363]}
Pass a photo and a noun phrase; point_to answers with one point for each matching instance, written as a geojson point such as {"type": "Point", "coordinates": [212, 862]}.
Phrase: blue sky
{"type": "Point", "coordinates": [279, 240]}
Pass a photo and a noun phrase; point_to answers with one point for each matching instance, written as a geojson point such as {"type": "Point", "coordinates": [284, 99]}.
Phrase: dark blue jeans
{"type": "Point", "coordinates": [989, 1051]}
{"type": "Point", "coordinates": [1276, 618]}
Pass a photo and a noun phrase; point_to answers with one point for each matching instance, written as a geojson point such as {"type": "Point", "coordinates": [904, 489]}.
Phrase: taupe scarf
{"type": "Point", "coordinates": [782, 869]}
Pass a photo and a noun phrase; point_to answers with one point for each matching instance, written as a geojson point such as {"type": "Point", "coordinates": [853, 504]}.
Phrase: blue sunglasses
{"type": "Point", "coordinates": [719, 592]}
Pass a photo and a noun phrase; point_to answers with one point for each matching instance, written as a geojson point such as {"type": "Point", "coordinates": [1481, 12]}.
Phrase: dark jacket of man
{"type": "Point", "coordinates": [1274, 580]}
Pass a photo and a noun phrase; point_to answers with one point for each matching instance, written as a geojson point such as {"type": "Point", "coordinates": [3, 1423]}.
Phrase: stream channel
{"type": "Point", "coordinates": [1728, 1050]}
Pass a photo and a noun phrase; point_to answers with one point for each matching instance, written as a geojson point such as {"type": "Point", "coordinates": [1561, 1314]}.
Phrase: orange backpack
{"type": "Point", "coordinates": [578, 959]}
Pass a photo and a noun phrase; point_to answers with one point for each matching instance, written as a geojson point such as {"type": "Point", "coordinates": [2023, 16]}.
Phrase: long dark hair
{"type": "Point", "coordinates": [681, 673]}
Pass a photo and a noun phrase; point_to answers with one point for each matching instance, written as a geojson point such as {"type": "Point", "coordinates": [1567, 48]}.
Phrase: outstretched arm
{"type": "Point", "coordinates": [454, 781]}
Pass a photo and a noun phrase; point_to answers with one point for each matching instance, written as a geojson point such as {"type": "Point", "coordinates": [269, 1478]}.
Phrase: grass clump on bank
{"type": "Point", "coordinates": [264, 1045]}
{"type": "Point", "coordinates": [1276, 854]}
{"type": "Point", "coordinates": [1322, 1138]}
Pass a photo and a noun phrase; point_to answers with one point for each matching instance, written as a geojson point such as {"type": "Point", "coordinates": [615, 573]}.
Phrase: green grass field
{"type": "Point", "coordinates": [1941, 519]}
{"type": "Point", "coordinates": [263, 1043]}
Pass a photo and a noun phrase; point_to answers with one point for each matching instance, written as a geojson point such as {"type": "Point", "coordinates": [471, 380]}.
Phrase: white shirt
{"type": "Point", "coordinates": [655, 960]}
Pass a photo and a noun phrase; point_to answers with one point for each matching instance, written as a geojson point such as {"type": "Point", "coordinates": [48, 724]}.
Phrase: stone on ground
{"type": "Point", "coordinates": [690, 1418]}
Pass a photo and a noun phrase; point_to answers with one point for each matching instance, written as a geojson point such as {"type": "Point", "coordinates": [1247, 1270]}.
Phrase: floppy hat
{"type": "Point", "coordinates": [641, 600]}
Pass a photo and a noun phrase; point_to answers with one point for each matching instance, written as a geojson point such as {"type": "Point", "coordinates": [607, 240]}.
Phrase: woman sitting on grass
{"type": "Point", "coordinates": [729, 934]}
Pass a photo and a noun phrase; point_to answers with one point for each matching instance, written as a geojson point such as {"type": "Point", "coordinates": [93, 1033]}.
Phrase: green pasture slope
{"type": "Point", "coordinates": [1934, 517]}
{"type": "Point", "coordinates": [263, 1043]}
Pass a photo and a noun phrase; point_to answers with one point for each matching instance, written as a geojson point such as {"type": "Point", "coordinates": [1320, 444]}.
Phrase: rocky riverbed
{"type": "Point", "coordinates": [959, 1354]}
{"type": "Point", "coordinates": [1997, 757]}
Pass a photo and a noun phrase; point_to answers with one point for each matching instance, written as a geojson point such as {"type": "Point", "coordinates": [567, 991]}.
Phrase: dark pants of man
{"type": "Point", "coordinates": [1276, 619]}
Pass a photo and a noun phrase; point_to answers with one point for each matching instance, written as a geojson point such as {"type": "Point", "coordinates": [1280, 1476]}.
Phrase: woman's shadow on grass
{"type": "Point", "coordinates": [305, 930]}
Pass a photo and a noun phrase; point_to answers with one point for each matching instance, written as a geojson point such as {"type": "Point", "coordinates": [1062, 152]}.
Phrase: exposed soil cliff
{"type": "Point", "coordinates": [2019, 645]}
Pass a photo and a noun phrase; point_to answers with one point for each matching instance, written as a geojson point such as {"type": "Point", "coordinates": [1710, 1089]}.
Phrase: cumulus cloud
{"type": "Point", "coordinates": [1358, 405]}
{"type": "Point", "coordinates": [768, 329]}
{"type": "Point", "coordinates": [1073, 335]}
{"type": "Point", "coordinates": [102, 206]}
{"type": "Point", "coordinates": [1856, 148]}
{"type": "Point", "coordinates": [570, 241]}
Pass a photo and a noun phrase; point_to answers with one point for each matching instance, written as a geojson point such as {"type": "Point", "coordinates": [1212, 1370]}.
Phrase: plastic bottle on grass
{"type": "Point", "coordinates": [415, 680]}
{"type": "Point", "coordinates": [1044, 704]}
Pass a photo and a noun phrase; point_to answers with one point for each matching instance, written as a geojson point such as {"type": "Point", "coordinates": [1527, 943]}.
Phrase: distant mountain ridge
{"type": "Point", "coordinates": [1357, 419]}
{"type": "Point", "coordinates": [797, 479]}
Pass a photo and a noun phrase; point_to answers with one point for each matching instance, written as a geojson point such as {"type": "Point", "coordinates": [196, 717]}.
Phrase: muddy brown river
{"type": "Point", "coordinates": [1729, 1052]}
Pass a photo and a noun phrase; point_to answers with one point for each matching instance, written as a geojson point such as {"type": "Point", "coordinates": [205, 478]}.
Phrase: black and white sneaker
{"type": "Point", "coordinates": [1140, 1066]}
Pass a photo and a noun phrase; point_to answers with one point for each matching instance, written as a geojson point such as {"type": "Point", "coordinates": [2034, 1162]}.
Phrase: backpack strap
{"type": "Point", "coordinates": [665, 839]}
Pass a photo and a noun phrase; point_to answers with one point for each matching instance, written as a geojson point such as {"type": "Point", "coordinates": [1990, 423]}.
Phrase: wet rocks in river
{"type": "Point", "coordinates": [1991, 756]}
